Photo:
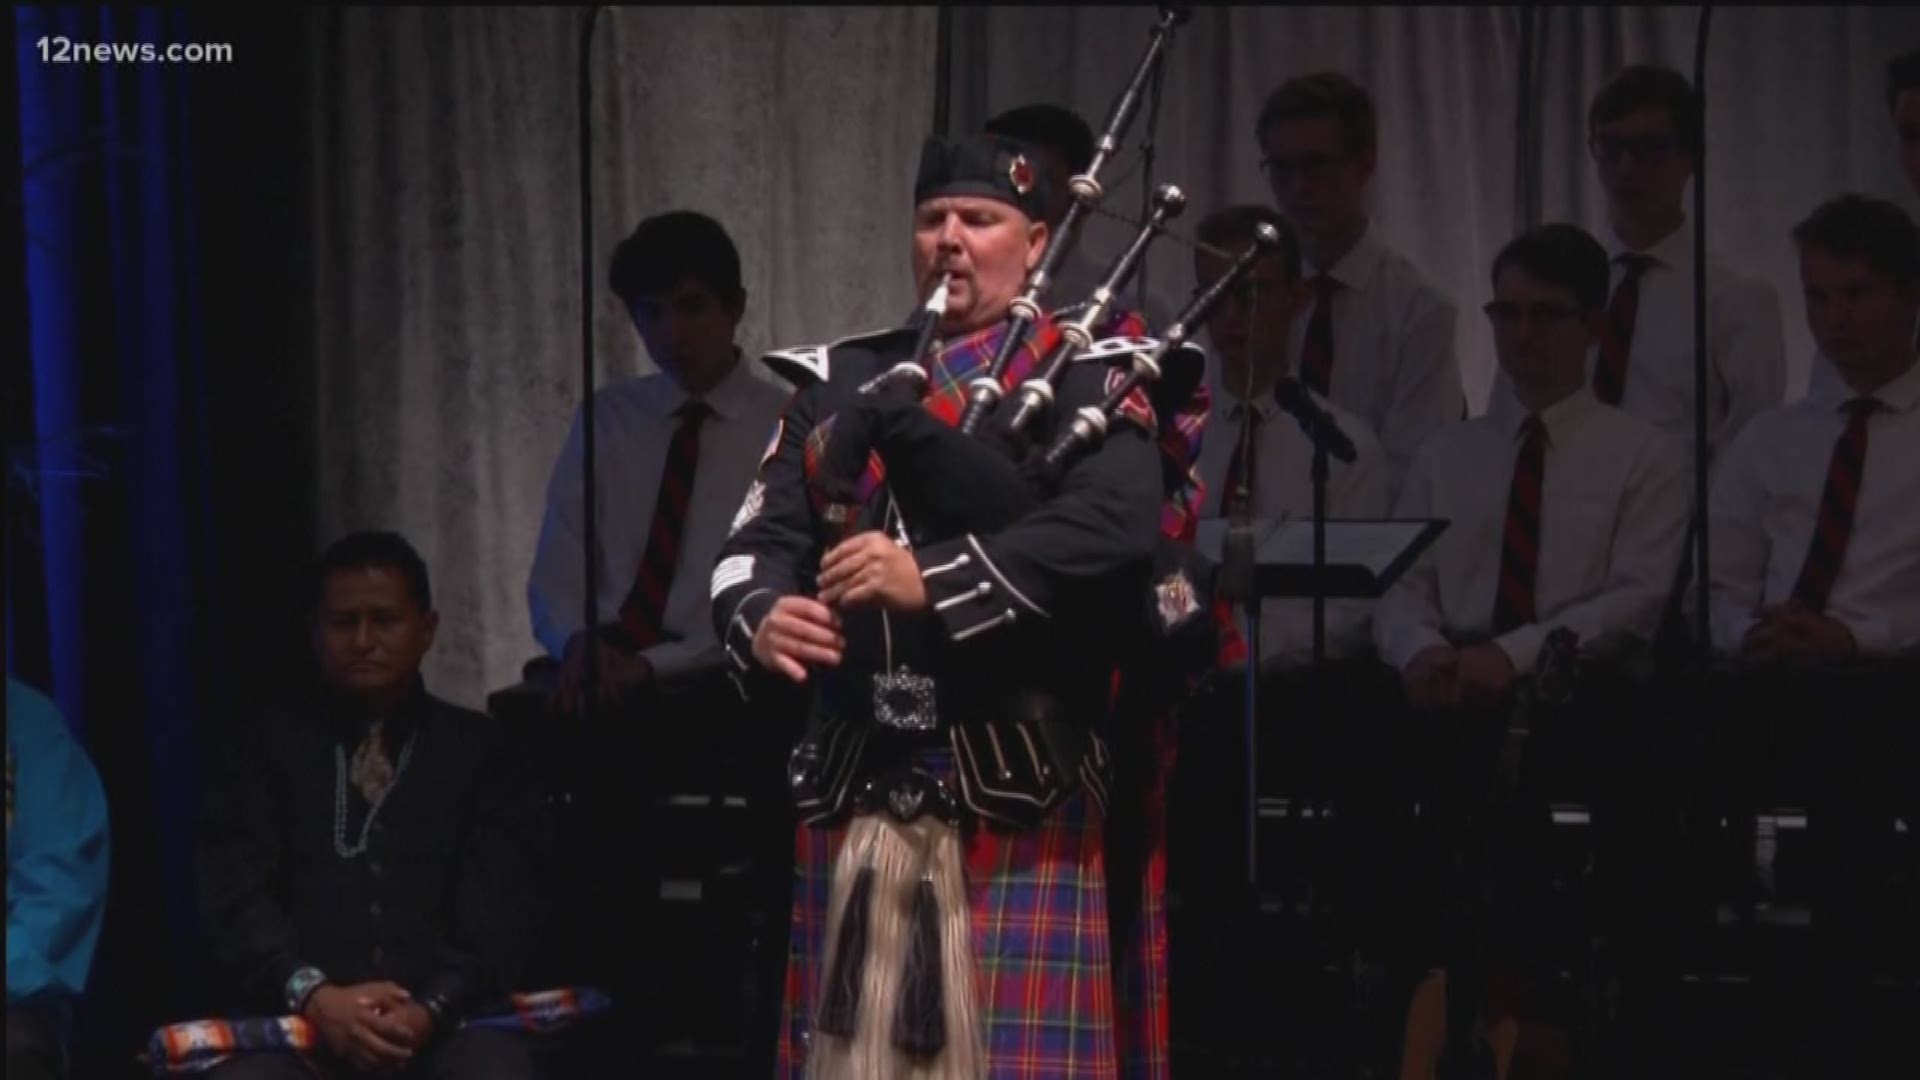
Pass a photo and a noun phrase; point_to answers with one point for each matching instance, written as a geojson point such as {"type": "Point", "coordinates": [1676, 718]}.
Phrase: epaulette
{"type": "Point", "coordinates": [807, 364]}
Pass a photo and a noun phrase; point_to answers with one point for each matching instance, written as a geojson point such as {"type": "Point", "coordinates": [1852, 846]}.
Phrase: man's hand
{"type": "Point", "coordinates": [1791, 632]}
{"type": "Point", "coordinates": [1486, 674]}
{"type": "Point", "coordinates": [871, 569]}
{"type": "Point", "coordinates": [416, 1020]}
{"type": "Point", "coordinates": [1430, 678]}
{"type": "Point", "coordinates": [796, 632]}
{"type": "Point", "coordinates": [1766, 638]}
{"type": "Point", "coordinates": [358, 1024]}
{"type": "Point", "coordinates": [621, 673]}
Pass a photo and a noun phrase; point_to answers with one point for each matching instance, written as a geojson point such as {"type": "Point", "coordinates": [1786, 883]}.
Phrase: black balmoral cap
{"type": "Point", "coordinates": [983, 166]}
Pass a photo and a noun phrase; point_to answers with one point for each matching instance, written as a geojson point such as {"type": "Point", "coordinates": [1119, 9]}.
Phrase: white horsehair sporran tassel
{"type": "Point", "coordinates": [903, 863]}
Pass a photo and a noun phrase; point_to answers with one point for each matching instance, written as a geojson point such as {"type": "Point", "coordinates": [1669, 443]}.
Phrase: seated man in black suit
{"type": "Point", "coordinates": [370, 857]}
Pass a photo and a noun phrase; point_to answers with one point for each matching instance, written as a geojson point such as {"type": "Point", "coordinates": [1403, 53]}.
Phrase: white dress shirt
{"type": "Point", "coordinates": [1613, 516]}
{"type": "Point", "coordinates": [1766, 498]}
{"type": "Point", "coordinates": [1746, 353]}
{"type": "Point", "coordinates": [1393, 360]}
{"type": "Point", "coordinates": [1283, 488]}
{"type": "Point", "coordinates": [633, 425]}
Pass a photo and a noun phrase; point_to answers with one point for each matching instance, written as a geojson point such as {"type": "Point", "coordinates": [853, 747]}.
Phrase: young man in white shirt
{"type": "Point", "coordinates": [1645, 133]}
{"type": "Point", "coordinates": [667, 482]}
{"type": "Point", "coordinates": [1815, 532]}
{"type": "Point", "coordinates": [1257, 450]}
{"type": "Point", "coordinates": [1903, 106]}
{"type": "Point", "coordinates": [675, 454]}
{"type": "Point", "coordinates": [1587, 533]}
{"type": "Point", "coordinates": [1569, 514]}
{"type": "Point", "coordinates": [1249, 333]}
{"type": "Point", "coordinates": [1377, 336]}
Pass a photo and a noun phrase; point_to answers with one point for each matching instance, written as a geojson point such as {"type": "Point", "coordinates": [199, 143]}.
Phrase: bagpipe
{"type": "Point", "coordinates": [986, 391]}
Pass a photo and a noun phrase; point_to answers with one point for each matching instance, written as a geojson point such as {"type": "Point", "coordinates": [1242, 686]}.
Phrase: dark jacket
{"type": "Point", "coordinates": [447, 894]}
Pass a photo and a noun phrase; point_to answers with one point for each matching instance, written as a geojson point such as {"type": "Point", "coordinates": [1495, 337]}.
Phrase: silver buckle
{"type": "Point", "coordinates": [904, 701]}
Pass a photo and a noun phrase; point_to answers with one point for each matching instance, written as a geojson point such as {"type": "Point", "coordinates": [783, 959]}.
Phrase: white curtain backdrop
{"type": "Point", "coordinates": [447, 277]}
{"type": "Point", "coordinates": [446, 205]}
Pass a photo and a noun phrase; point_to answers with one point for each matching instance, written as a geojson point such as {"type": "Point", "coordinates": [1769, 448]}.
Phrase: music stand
{"type": "Point", "coordinates": [1359, 559]}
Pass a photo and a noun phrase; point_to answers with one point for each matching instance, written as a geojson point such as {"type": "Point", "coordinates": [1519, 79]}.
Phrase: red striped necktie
{"type": "Point", "coordinates": [1616, 337]}
{"type": "Point", "coordinates": [1246, 442]}
{"type": "Point", "coordinates": [1513, 601]}
{"type": "Point", "coordinates": [1316, 353]}
{"type": "Point", "coordinates": [1834, 526]}
{"type": "Point", "coordinates": [643, 613]}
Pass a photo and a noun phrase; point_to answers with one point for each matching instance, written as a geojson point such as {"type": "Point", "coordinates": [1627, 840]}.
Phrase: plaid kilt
{"type": "Point", "coordinates": [1039, 940]}
{"type": "Point", "coordinates": [1138, 854]}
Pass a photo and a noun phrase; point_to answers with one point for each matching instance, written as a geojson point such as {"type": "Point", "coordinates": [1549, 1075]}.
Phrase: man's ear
{"type": "Point", "coordinates": [736, 308]}
{"type": "Point", "coordinates": [1037, 234]}
{"type": "Point", "coordinates": [432, 623]}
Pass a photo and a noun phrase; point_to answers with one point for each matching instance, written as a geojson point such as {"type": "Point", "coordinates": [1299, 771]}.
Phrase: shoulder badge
{"type": "Point", "coordinates": [806, 365]}
{"type": "Point", "coordinates": [801, 367]}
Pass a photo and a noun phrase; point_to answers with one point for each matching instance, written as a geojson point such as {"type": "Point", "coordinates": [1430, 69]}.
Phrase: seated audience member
{"type": "Point", "coordinates": [1815, 533]}
{"type": "Point", "coordinates": [1903, 104]}
{"type": "Point", "coordinates": [1249, 334]}
{"type": "Point", "coordinates": [57, 847]}
{"type": "Point", "coordinates": [1317, 744]}
{"type": "Point", "coordinates": [675, 451]}
{"type": "Point", "coordinates": [1586, 534]}
{"type": "Point", "coordinates": [372, 856]}
{"type": "Point", "coordinates": [1570, 515]}
{"type": "Point", "coordinates": [1816, 539]}
{"type": "Point", "coordinates": [1378, 336]}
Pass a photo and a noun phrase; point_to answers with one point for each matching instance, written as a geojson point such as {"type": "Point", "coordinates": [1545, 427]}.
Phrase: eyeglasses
{"type": "Point", "coordinates": [1650, 149]}
{"type": "Point", "coordinates": [1306, 166]}
{"type": "Point", "coordinates": [1508, 313]}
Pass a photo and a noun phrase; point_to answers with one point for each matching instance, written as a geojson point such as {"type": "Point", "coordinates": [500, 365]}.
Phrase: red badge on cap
{"type": "Point", "coordinates": [1021, 173]}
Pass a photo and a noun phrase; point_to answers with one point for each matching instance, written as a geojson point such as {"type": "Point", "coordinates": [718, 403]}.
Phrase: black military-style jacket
{"type": "Point", "coordinates": [1036, 607]}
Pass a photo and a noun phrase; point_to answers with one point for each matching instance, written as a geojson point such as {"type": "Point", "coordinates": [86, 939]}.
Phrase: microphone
{"type": "Point", "coordinates": [1314, 420]}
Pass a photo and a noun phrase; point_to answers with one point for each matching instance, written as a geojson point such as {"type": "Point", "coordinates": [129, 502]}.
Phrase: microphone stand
{"type": "Point", "coordinates": [1237, 584]}
{"type": "Point", "coordinates": [590, 533]}
{"type": "Point", "coordinates": [1238, 581]}
{"type": "Point", "coordinates": [1319, 553]}
{"type": "Point", "coordinates": [1704, 623]}
{"type": "Point", "coordinates": [1311, 707]}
